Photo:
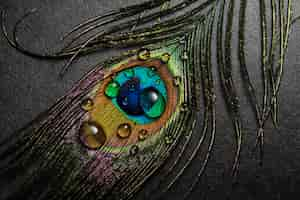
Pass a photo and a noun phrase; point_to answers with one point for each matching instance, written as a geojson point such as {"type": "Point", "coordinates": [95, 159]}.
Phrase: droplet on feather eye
{"type": "Point", "coordinates": [112, 89]}
{"type": "Point", "coordinates": [87, 104]}
{"type": "Point", "coordinates": [129, 73]}
{"type": "Point", "coordinates": [132, 88]}
{"type": "Point", "coordinates": [158, 81]}
{"type": "Point", "coordinates": [151, 72]}
{"type": "Point", "coordinates": [124, 131]}
{"type": "Point", "coordinates": [128, 97]}
{"type": "Point", "coordinates": [165, 57]}
{"type": "Point", "coordinates": [92, 135]}
{"type": "Point", "coordinates": [144, 54]}
{"type": "Point", "coordinates": [143, 134]}
{"type": "Point", "coordinates": [125, 101]}
{"type": "Point", "coordinates": [152, 103]}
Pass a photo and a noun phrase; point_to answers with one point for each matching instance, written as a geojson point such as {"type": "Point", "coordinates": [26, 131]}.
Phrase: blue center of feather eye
{"type": "Point", "coordinates": [128, 98]}
{"type": "Point", "coordinates": [139, 93]}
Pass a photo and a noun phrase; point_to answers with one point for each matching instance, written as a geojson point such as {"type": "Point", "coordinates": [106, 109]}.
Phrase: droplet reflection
{"type": "Point", "coordinates": [124, 131]}
{"type": "Point", "coordinates": [143, 134]}
{"type": "Point", "coordinates": [92, 135]}
{"type": "Point", "coordinates": [87, 104]}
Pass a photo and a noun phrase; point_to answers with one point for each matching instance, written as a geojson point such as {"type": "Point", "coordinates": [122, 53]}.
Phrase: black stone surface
{"type": "Point", "coordinates": [28, 86]}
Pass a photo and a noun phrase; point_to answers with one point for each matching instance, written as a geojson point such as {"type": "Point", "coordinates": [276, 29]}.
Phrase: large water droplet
{"type": "Point", "coordinates": [124, 131]}
{"type": "Point", "coordinates": [152, 102]}
{"type": "Point", "coordinates": [92, 135]}
{"type": "Point", "coordinates": [112, 89]}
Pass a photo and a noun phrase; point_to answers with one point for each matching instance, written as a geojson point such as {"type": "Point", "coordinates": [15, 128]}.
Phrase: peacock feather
{"type": "Point", "coordinates": [120, 126]}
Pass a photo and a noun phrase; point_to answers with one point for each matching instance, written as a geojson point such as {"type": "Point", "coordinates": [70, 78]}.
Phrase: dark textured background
{"type": "Point", "coordinates": [29, 86]}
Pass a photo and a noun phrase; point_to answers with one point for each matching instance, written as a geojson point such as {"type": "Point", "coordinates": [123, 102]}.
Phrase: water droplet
{"type": "Point", "coordinates": [92, 135]}
{"type": "Point", "coordinates": [177, 81]}
{"type": "Point", "coordinates": [152, 102]}
{"type": "Point", "coordinates": [125, 101]}
{"type": "Point", "coordinates": [158, 81]}
{"type": "Point", "coordinates": [165, 57]}
{"type": "Point", "coordinates": [151, 72]}
{"type": "Point", "coordinates": [143, 134]}
{"type": "Point", "coordinates": [134, 150]}
{"type": "Point", "coordinates": [182, 41]}
{"type": "Point", "coordinates": [124, 131]}
{"type": "Point", "coordinates": [184, 107]}
{"type": "Point", "coordinates": [144, 54]}
{"type": "Point", "coordinates": [132, 87]}
{"type": "Point", "coordinates": [87, 104]}
{"type": "Point", "coordinates": [129, 73]}
{"type": "Point", "coordinates": [168, 140]}
{"type": "Point", "coordinates": [112, 89]}
{"type": "Point", "coordinates": [185, 56]}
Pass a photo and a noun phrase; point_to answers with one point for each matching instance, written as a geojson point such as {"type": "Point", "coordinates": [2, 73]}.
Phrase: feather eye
{"type": "Point", "coordinates": [135, 100]}
{"type": "Point", "coordinates": [134, 105]}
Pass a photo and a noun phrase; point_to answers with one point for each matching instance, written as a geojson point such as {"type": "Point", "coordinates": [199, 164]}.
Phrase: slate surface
{"type": "Point", "coordinates": [28, 86]}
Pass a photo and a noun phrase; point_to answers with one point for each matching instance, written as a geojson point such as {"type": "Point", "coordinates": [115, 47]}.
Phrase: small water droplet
{"type": "Point", "coordinates": [87, 104]}
{"type": "Point", "coordinates": [129, 73]}
{"type": "Point", "coordinates": [165, 57]}
{"type": "Point", "coordinates": [124, 131]}
{"type": "Point", "coordinates": [112, 89]}
{"type": "Point", "coordinates": [168, 140]}
{"type": "Point", "coordinates": [92, 135]}
{"type": "Point", "coordinates": [134, 150]}
{"type": "Point", "coordinates": [177, 81]}
{"type": "Point", "coordinates": [185, 56]}
{"type": "Point", "coordinates": [158, 81]}
{"type": "Point", "coordinates": [144, 54]}
{"type": "Point", "coordinates": [151, 72]}
{"type": "Point", "coordinates": [184, 107]}
{"type": "Point", "coordinates": [132, 87]}
{"type": "Point", "coordinates": [143, 134]}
